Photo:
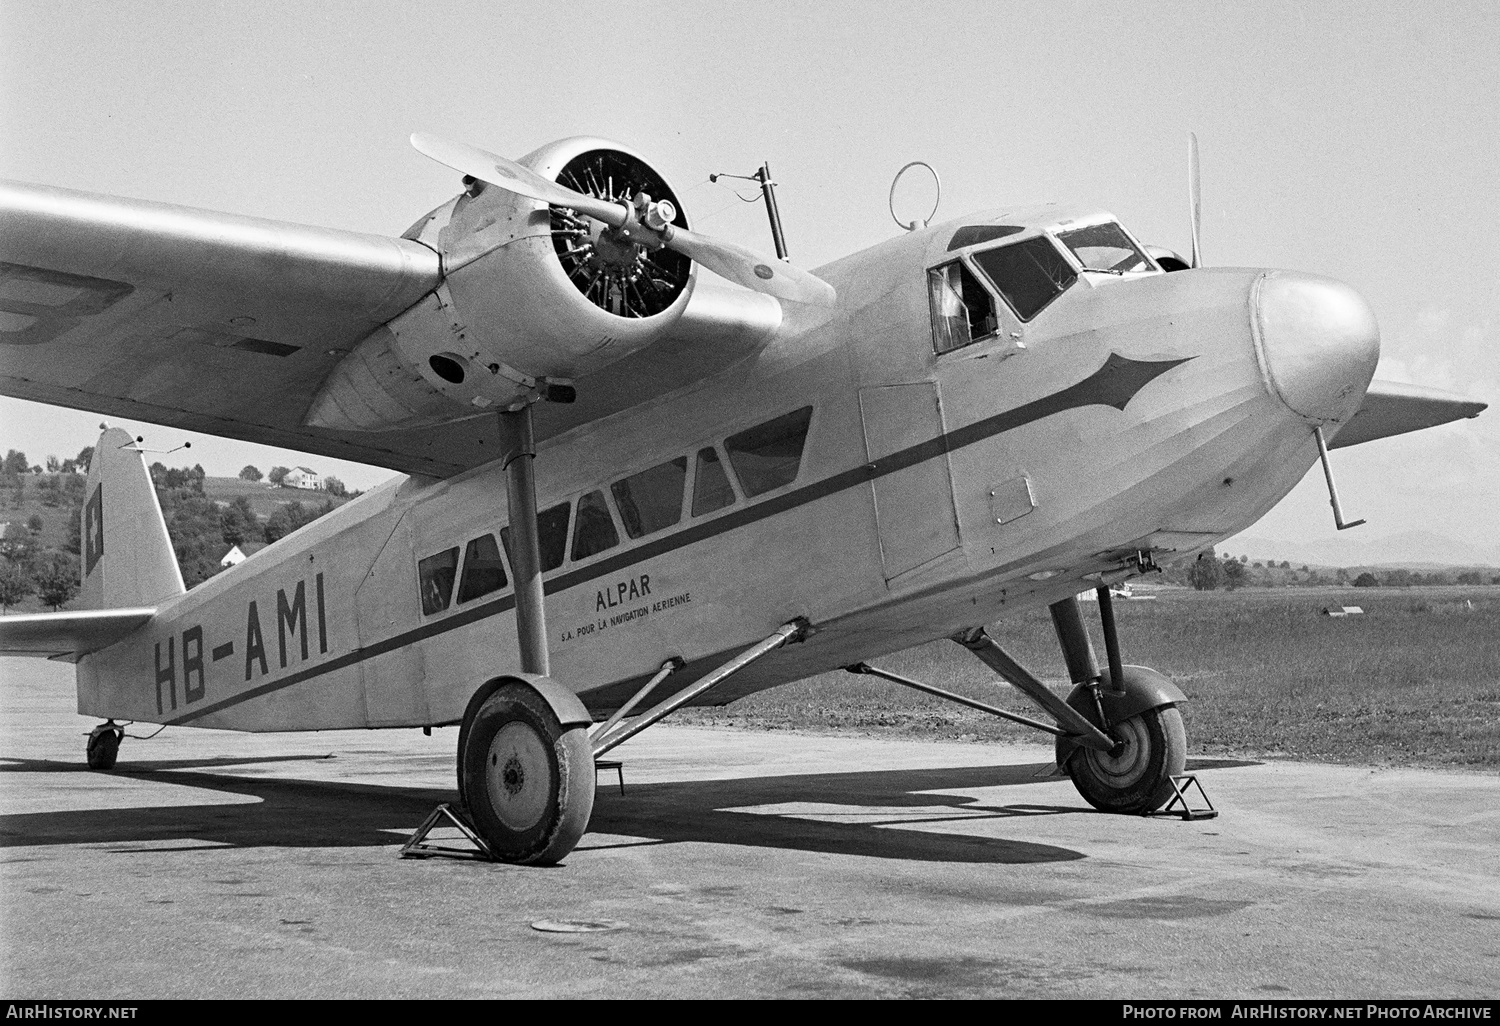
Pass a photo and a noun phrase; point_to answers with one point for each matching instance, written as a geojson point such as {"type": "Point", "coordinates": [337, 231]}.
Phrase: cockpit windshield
{"type": "Point", "coordinates": [1105, 247]}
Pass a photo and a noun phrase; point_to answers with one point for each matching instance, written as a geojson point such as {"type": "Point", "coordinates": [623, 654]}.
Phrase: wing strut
{"type": "Point", "coordinates": [519, 443]}
{"type": "Point", "coordinates": [787, 632]}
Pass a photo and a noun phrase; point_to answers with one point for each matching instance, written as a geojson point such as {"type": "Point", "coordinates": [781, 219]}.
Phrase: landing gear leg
{"type": "Point", "coordinates": [525, 774]}
{"type": "Point", "coordinates": [1134, 704]}
{"type": "Point", "coordinates": [104, 745]}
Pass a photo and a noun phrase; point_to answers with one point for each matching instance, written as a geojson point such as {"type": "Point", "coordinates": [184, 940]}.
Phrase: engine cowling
{"type": "Point", "coordinates": [532, 297]}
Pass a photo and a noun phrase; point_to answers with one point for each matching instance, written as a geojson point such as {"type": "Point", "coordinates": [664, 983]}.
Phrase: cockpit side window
{"type": "Point", "coordinates": [963, 311]}
{"type": "Point", "coordinates": [1029, 274]}
{"type": "Point", "coordinates": [1105, 247]}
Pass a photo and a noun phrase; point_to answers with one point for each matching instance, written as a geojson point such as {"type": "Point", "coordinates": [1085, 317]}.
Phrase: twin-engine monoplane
{"type": "Point", "coordinates": [631, 485]}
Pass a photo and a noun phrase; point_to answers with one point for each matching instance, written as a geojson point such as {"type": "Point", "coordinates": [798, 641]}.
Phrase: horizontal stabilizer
{"type": "Point", "coordinates": [68, 635]}
{"type": "Point", "coordinates": [1391, 408]}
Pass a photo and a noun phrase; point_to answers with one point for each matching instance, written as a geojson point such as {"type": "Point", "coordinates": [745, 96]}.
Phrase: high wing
{"type": "Point", "coordinates": [1391, 408]}
{"type": "Point", "coordinates": [231, 325]}
{"type": "Point", "coordinates": [68, 635]}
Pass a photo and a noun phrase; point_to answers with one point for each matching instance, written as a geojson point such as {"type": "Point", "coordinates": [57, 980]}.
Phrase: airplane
{"type": "Point", "coordinates": [627, 479]}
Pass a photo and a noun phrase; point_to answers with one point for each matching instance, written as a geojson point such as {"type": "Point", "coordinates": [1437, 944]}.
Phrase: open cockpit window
{"type": "Point", "coordinates": [963, 311]}
{"type": "Point", "coordinates": [1105, 247]}
{"type": "Point", "coordinates": [1029, 274]}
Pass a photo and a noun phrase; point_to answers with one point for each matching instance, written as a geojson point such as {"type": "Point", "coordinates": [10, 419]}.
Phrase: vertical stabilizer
{"type": "Point", "coordinates": [126, 554]}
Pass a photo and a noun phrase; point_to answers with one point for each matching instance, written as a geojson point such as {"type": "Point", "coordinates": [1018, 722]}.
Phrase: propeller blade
{"type": "Point", "coordinates": [1195, 193]}
{"type": "Point", "coordinates": [740, 265]}
{"type": "Point", "coordinates": [513, 177]}
{"type": "Point", "coordinates": [751, 269]}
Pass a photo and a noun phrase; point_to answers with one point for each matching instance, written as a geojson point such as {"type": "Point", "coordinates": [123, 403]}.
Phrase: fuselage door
{"type": "Point", "coordinates": [914, 509]}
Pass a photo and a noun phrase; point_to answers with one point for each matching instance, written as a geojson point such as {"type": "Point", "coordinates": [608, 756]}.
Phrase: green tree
{"type": "Point", "coordinates": [35, 523]}
{"type": "Point", "coordinates": [1367, 580]}
{"type": "Point", "coordinates": [53, 464]}
{"type": "Point", "coordinates": [1235, 574]}
{"type": "Point", "coordinates": [16, 543]}
{"type": "Point", "coordinates": [1205, 573]}
{"type": "Point", "coordinates": [278, 475]}
{"type": "Point", "coordinates": [15, 583]}
{"type": "Point", "coordinates": [56, 578]}
{"type": "Point", "coordinates": [251, 473]}
{"type": "Point", "coordinates": [82, 459]}
{"type": "Point", "coordinates": [333, 486]}
{"type": "Point", "coordinates": [16, 463]}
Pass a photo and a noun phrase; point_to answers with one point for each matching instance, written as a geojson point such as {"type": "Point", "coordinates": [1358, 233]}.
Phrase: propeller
{"type": "Point", "coordinates": [1195, 193]}
{"type": "Point", "coordinates": [646, 223]}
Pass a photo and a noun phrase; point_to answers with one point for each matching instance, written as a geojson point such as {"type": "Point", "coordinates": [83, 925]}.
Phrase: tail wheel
{"type": "Point", "coordinates": [1136, 776]}
{"type": "Point", "coordinates": [104, 748]}
{"type": "Point", "coordinates": [528, 782]}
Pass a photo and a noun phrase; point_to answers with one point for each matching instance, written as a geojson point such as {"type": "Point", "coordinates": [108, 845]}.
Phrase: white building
{"type": "Point", "coordinates": [301, 477]}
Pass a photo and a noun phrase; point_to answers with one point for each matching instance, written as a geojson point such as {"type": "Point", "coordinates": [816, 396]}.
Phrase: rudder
{"type": "Point", "coordinates": [127, 558]}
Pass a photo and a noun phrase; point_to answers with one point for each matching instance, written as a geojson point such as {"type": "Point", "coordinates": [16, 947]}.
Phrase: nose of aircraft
{"type": "Point", "coordinates": [1318, 341]}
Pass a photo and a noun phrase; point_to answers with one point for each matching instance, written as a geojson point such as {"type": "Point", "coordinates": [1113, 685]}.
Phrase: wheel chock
{"type": "Point", "coordinates": [1181, 785]}
{"type": "Point", "coordinates": [611, 764]}
{"type": "Point", "coordinates": [446, 816]}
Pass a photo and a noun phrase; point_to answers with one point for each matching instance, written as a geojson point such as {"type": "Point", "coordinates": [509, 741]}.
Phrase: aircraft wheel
{"type": "Point", "coordinates": [528, 782]}
{"type": "Point", "coordinates": [104, 748]}
{"type": "Point", "coordinates": [1135, 778]}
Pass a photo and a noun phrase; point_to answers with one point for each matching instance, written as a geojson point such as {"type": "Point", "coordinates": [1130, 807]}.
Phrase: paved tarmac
{"type": "Point", "coordinates": [737, 864]}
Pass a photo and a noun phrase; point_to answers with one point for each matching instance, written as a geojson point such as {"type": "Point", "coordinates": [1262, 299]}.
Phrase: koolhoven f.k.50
{"type": "Point", "coordinates": [631, 485]}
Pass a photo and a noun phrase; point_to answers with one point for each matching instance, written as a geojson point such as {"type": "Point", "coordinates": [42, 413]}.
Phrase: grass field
{"type": "Point", "coordinates": [1414, 682]}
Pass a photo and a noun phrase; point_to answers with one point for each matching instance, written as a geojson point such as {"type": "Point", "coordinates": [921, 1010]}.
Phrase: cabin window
{"type": "Point", "coordinates": [552, 533]}
{"type": "Point", "coordinates": [711, 488]}
{"type": "Point", "coordinates": [593, 528]}
{"type": "Point", "coordinates": [768, 455]}
{"type": "Point", "coordinates": [963, 310]}
{"type": "Point", "coordinates": [1105, 247]}
{"type": "Point", "coordinates": [1029, 274]}
{"type": "Point", "coordinates": [652, 499]}
{"type": "Point", "coordinates": [435, 576]}
{"type": "Point", "coordinates": [483, 570]}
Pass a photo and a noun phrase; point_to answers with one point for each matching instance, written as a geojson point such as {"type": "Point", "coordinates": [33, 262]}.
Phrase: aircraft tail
{"type": "Point", "coordinates": [127, 557]}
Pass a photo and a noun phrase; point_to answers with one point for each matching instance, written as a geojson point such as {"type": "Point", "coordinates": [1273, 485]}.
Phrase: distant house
{"type": "Point", "coordinates": [238, 553]}
{"type": "Point", "coordinates": [301, 477]}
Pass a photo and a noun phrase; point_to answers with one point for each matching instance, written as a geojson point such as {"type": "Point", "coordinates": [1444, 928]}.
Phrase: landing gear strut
{"type": "Point", "coordinates": [1119, 734]}
{"type": "Point", "coordinates": [1134, 704]}
{"type": "Point", "coordinates": [104, 745]}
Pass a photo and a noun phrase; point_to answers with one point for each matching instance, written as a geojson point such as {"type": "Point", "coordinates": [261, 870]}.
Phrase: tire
{"type": "Point", "coordinates": [103, 749]}
{"type": "Point", "coordinates": [1137, 780]}
{"type": "Point", "coordinates": [527, 782]}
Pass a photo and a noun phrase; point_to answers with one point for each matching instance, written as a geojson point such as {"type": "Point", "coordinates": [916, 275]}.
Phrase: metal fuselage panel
{"type": "Point", "coordinates": [1133, 409]}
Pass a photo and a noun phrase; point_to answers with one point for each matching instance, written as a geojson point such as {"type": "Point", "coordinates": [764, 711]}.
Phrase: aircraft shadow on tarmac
{"type": "Point", "coordinates": [316, 813]}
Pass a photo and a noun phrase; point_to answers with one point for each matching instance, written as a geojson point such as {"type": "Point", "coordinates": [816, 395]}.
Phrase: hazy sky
{"type": "Point", "coordinates": [1359, 141]}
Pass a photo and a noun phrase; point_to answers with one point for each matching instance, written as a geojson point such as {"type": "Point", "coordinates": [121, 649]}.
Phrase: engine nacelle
{"type": "Point", "coordinates": [532, 296]}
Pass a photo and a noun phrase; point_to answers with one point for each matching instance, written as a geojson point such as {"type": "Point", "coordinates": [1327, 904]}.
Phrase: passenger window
{"type": "Point", "coordinates": [483, 570]}
{"type": "Point", "coordinates": [963, 311]}
{"type": "Point", "coordinates": [652, 499]}
{"type": "Point", "coordinates": [711, 489]}
{"type": "Point", "coordinates": [552, 533]}
{"type": "Point", "coordinates": [593, 528]}
{"type": "Point", "coordinates": [435, 577]}
{"type": "Point", "coordinates": [769, 455]}
{"type": "Point", "coordinates": [1029, 274]}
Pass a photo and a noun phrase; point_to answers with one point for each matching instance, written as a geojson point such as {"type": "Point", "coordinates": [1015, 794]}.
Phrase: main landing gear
{"type": "Point", "coordinates": [1119, 734]}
